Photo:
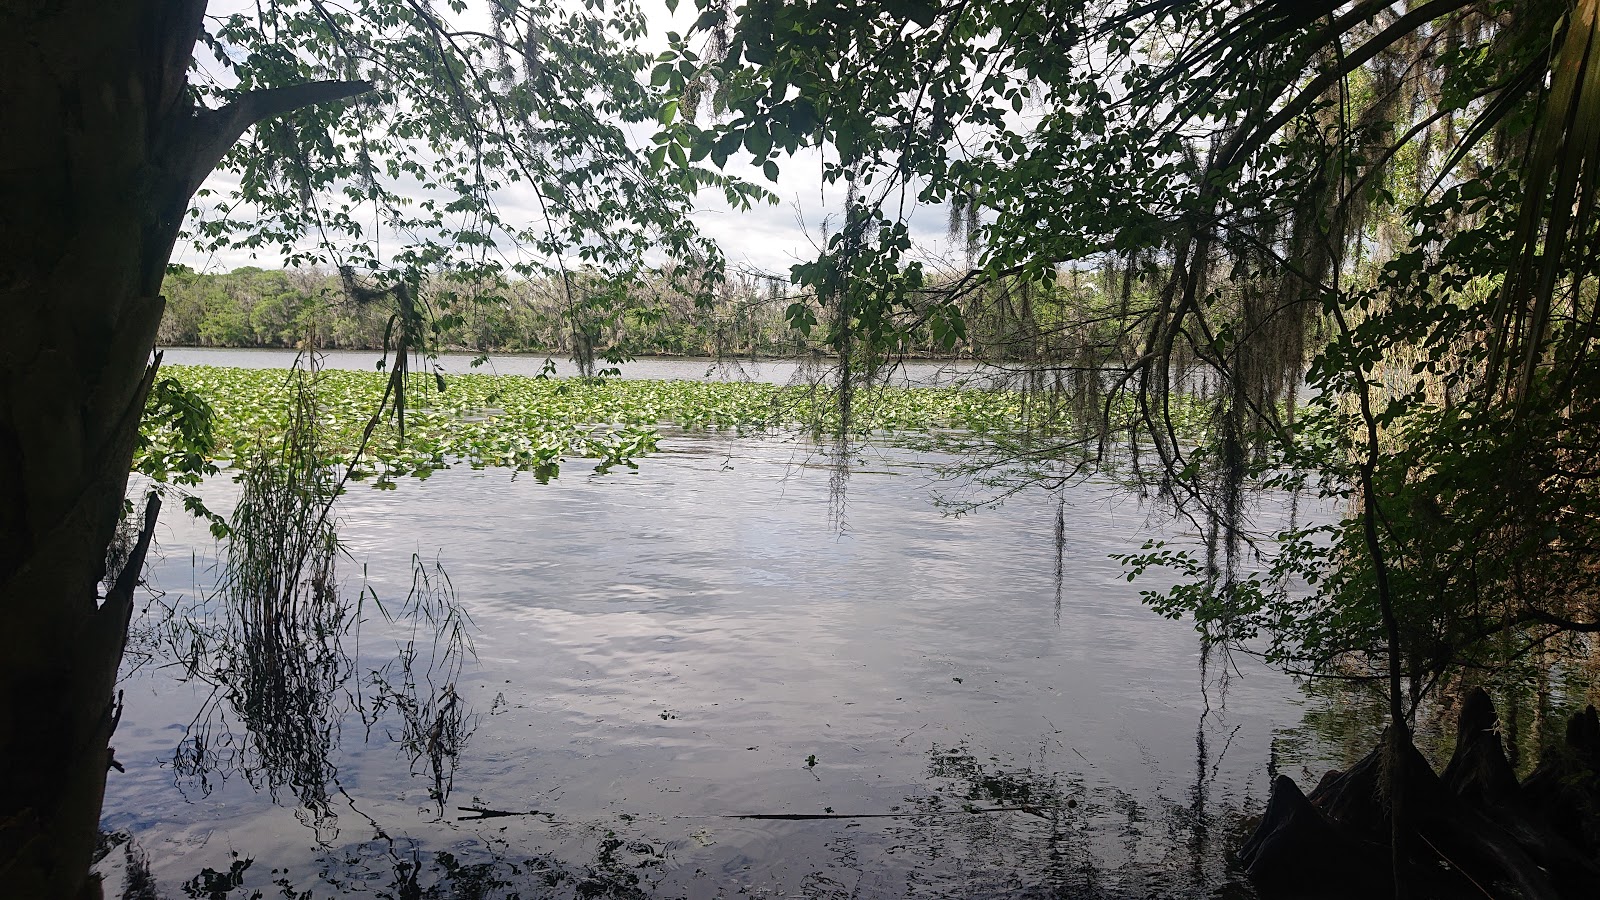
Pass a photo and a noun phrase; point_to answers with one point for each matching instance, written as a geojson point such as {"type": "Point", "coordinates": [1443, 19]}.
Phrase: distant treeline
{"type": "Point", "coordinates": [1063, 325]}
{"type": "Point", "coordinates": [252, 307]}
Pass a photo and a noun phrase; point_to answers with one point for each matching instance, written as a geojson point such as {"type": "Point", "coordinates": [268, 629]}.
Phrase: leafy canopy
{"type": "Point", "coordinates": [1362, 230]}
{"type": "Point", "coordinates": [472, 105]}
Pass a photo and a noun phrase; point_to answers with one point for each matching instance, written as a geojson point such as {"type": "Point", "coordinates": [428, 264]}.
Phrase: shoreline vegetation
{"type": "Point", "coordinates": [253, 308]}
{"type": "Point", "coordinates": [647, 315]}
{"type": "Point", "coordinates": [799, 356]}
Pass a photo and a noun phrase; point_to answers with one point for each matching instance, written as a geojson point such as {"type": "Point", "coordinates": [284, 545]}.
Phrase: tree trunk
{"type": "Point", "coordinates": [101, 148]}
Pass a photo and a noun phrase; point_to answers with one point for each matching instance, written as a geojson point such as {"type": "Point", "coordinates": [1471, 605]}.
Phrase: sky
{"type": "Point", "coordinates": [766, 238]}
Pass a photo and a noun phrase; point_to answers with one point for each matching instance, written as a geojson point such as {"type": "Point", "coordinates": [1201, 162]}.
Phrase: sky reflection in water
{"type": "Point", "coordinates": [658, 651]}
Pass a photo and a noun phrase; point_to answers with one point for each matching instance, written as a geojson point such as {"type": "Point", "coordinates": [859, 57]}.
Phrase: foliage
{"type": "Point", "coordinates": [176, 444]}
{"type": "Point", "coordinates": [252, 307]}
{"type": "Point", "coordinates": [466, 102]}
{"type": "Point", "coordinates": [457, 111]}
{"type": "Point", "coordinates": [1361, 229]}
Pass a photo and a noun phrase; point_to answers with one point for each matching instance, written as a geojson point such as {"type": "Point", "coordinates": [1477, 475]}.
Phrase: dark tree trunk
{"type": "Point", "coordinates": [101, 147]}
{"type": "Point", "coordinates": [1475, 831]}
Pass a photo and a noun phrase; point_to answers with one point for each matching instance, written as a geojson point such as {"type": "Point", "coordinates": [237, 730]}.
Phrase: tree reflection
{"type": "Point", "coordinates": [612, 868]}
{"type": "Point", "coordinates": [269, 639]}
{"type": "Point", "coordinates": [983, 826]}
{"type": "Point", "coordinates": [1072, 838]}
{"type": "Point", "coordinates": [283, 688]}
{"type": "Point", "coordinates": [435, 722]}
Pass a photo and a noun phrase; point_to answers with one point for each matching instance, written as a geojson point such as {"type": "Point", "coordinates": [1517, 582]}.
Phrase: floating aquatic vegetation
{"type": "Point", "coordinates": [532, 424]}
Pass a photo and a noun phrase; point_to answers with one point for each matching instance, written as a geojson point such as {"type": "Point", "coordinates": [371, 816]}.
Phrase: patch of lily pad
{"type": "Point", "coordinates": [531, 424]}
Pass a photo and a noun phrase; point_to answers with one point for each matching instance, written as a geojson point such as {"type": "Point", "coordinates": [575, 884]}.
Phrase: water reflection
{"type": "Point", "coordinates": [1343, 719]}
{"type": "Point", "coordinates": [661, 651]}
{"type": "Point", "coordinates": [282, 688]}
{"type": "Point", "coordinates": [269, 640]}
{"type": "Point", "coordinates": [419, 683]}
{"type": "Point", "coordinates": [984, 827]}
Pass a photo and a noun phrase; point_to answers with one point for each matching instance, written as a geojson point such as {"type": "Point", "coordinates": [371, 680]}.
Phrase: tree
{"type": "Point", "coordinates": [378, 137]}
{"type": "Point", "coordinates": [1390, 201]}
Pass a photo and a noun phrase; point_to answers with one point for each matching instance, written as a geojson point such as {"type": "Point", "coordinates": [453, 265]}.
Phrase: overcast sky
{"type": "Point", "coordinates": [769, 238]}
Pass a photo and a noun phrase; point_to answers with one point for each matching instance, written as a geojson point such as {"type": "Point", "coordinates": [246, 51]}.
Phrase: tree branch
{"type": "Point", "coordinates": [1248, 140]}
{"type": "Point", "coordinates": [214, 131]}
{"type": "Point", "coordinates": [1539, 615]}
{"type": "Point", "coordinates": [128, 579]}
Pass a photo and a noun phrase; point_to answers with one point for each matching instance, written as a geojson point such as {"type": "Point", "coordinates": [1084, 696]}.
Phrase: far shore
{"type": "Point", "coordinates": [563, 354]}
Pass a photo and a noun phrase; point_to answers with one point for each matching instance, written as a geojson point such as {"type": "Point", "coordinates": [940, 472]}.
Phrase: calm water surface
{"type": "Point", "coordinates": [741, 627]}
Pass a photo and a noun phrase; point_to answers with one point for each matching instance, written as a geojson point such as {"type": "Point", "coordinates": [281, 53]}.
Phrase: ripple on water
{"type": "Point", "coordinates": [665, 649]}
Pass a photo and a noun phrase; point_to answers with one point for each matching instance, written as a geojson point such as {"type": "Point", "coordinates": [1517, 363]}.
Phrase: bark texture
{"type": "Point", "coordinates": [1476, 832]}
{"type": "Point", "coordinates": [101, 148]}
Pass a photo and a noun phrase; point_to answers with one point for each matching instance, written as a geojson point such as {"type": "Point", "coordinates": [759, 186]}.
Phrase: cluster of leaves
{"type": "Point", "coordinates": [466, 108]}
{"type": "Point", "coordinates": [1488, 521]}
{"type": "Point", "coordinates": [176, 442]}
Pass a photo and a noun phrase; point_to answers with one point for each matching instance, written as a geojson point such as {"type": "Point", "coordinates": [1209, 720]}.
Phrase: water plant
{"type": "Point", "coordinates": [268, 641]}
{"type": "Point", "coordinates": [532, 424]}
{"type": "Point", "coordinates": [271, 640]}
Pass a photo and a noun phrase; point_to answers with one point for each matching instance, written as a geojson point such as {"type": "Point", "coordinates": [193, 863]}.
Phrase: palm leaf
{"type": "Point", "coordinates": [1557, 203]}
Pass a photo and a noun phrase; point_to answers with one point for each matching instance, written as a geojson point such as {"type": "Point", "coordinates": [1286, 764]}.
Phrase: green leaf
{"type": "Point", "coordinates": [921, 12]}
{"type": "Point", "coordinates": [758, 141]}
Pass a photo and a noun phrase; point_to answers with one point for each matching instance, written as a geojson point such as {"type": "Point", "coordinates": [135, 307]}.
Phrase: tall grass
{"type": "Point", "coordinates": [279, 644]}
{"type": "Point", "coordinates": [272, 641]}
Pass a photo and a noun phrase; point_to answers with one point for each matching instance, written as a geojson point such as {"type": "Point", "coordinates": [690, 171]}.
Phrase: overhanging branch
{"type": "Point", "coordinates": [1539, 615]}
{"type": "Point", "coordinates": [214, 131]}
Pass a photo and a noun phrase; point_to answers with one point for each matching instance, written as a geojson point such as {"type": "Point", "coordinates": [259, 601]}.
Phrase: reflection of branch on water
{"type": "Point", "coordinates": [480, 813]}
{"type": "Point", "coordinates": [435, 723]}
{"type": "Point", "coordinates": [806, 817]}
{"type": "Point", "coordinates": [1061, 548]}
{"type": "Point", "coordinates": [290, 695]}
{"type": "Point", "coordinates": [1063, 846]}
{"type": "Point", "coordinates": [959, 839]}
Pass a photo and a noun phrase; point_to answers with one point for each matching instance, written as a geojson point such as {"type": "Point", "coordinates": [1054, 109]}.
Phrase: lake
{"type": "Point", "coordinates": [747, 626]}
